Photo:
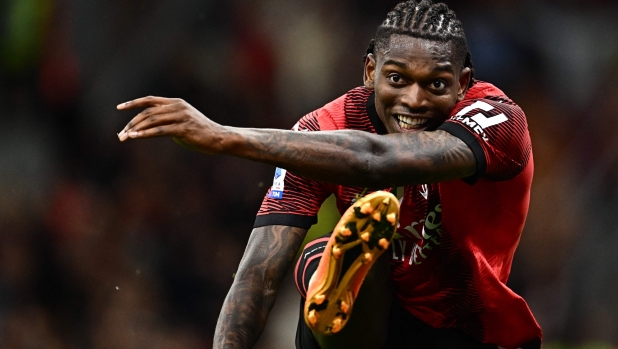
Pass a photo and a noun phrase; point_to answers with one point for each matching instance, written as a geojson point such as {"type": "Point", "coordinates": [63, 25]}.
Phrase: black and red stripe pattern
{"type": "Point", "coordinates": [506, 146]}
{"type": "Point", "coordinates": [308, 263]}
{"type": "Point", "coordinates": [457, 240]}
{"type": "Point", "coordinates": [303, 197]}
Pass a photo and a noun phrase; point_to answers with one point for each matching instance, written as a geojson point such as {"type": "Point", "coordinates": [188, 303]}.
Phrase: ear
{"type": "Point", "coordinates": [369, 72]}
{"type": "Point", "coordinates": [464, 82]}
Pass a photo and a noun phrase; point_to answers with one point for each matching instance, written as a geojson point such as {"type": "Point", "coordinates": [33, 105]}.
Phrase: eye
{"type": "Point", "coordinates": [395, 78]}
{"type": "Point", "coordinates": [438, 85]}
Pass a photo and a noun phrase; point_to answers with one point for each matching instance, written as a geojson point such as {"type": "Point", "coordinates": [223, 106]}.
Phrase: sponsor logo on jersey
{"type": "Point", "coordinates": [276, 191]}
{"type": "Point", "coordinates": [424, 191]}
{"type": "Point", "coordinates": [427, 233]}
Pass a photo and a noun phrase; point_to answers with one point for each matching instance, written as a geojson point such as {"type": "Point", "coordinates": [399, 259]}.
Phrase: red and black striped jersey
{"type": "Point", "coordinates": [297, 200]}
{"type": "Point", "coordinates": [453, 258]}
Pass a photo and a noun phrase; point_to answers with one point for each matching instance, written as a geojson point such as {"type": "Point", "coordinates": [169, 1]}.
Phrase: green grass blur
{"type": "Point", "coordinates": [328, 216]}
{"type": "Point", "coordinates": [24, 31]}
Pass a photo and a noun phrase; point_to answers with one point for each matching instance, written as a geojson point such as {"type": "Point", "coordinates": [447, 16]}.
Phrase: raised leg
{"type": "Point", "coordinates": [367, 328]}
{"type": "Point", "coordinates": [349, 297]}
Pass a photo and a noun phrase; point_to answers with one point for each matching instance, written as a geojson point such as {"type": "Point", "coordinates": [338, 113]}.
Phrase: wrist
{"type": "Point", "coordinates": [226, 140]}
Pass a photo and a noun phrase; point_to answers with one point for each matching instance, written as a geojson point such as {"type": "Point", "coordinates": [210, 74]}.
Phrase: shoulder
{"type": "Point", "coordinates": [481, 89]}
{"type": "Point", "coordinates": [495, 128]}
{"type": "Point", "coordinates": [352, 104]}
{"type": "Point", "coordinates": [486, 106]}
{"type": "Point", "coordinates": [487, 97]}
{"type": "Point", "coordinates": [356, 98]}
{"type": "Point", "coordinates": [337, 114]}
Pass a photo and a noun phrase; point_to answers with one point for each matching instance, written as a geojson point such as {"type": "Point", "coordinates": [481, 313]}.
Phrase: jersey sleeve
{"type": "Point", "coordinates": [496, 130]}
{"type": "Point", "coordinates": [293, 200]}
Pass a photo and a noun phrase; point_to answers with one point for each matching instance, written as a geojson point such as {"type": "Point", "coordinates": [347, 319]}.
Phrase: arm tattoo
{"type": "Point", "coordinates": [360, 158]}
{"type": "Point", "coordinates": [431, 157]}
{"type": "Point", "coordinates": [269, 254]}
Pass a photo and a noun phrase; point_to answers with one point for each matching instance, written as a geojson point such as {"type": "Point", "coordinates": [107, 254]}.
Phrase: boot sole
{"type": "Point", "coordinates": [369, 223]}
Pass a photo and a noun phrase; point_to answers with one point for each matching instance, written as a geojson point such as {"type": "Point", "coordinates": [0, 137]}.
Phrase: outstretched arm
{"type": "Point", "coordinates": [343, 157]}
{"type": "Point", "coordinates": [358, 158]}
{"type": "Point", "coordinates": [268, 256]}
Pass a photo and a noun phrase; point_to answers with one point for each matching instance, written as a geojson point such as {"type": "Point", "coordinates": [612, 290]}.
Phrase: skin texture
{"type": "Point", "coordinates": [413, 77]}
{"type": "Point", "coordinates": [269, 254]}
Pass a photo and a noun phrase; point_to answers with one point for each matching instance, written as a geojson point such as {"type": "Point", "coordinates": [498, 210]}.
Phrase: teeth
{"type": "Point", "coordinates": [407, 122]}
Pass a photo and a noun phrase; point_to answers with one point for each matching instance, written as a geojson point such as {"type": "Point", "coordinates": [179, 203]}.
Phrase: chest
{"type": "Point", "coordinates": [420, 208]}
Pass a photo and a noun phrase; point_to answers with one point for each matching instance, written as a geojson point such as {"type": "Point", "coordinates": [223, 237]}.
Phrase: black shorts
{"type": "Point", "coordinates": [405, 331]}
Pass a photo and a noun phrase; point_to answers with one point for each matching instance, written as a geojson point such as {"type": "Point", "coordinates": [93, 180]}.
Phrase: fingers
{"type": "Point", "coordinates": [150, 101]}
{"type": "Point", "coordinates": [157, 131]}
{"type": "Point", "coordinates": [152, 122]}
{"type": "Point", "coordinates": [158, 119]}
{"type": "Point", "coordinates": [154, 116]}
{"type": "Point", "coordinates": [151, 112]}
{"type": "Point", "coordinates": [162, 117]}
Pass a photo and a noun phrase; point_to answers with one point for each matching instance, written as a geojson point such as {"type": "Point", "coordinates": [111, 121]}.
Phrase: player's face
{"type": "Point", "coordinates": [416, 83]}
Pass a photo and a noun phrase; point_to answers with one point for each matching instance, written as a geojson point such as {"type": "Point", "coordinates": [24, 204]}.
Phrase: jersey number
{"type": "Point", "coordinates": [481, 119]}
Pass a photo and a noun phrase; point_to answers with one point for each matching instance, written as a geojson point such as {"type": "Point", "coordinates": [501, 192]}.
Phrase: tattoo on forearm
{"type": "Point", "coordinates": [364, 159]}
{"type": "Point", "coordinates": [448, 156]}
{"type": "Point", "coordinates": [298, 147]}
{"type": "Point", "coordinates": [269, 254]}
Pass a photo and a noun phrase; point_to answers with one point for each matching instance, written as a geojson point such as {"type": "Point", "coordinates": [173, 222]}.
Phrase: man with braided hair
{"type": "Point", "coordinates": [455, 150]}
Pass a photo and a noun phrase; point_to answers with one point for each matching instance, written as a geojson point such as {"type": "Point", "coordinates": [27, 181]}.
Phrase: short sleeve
{"type": "Point", "coordinates": [496, 130]}
{"type": "Point", "coordinates": [293, 200]}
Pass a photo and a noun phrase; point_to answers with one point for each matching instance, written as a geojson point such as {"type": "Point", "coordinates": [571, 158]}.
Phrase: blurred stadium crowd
{"type": "Point", "coordinates": [134, 245]}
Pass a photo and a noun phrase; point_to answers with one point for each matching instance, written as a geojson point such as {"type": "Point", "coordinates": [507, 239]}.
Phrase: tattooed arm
{"type": "Point", "coordinates": [358, 158]}
{"type": "Point", "coordinates": [344, 157]}
{"type": "Point", "coordinates": [268, 256]}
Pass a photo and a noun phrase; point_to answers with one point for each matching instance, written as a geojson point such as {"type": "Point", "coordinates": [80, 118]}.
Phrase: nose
{"type": "Point", "coordinates": [413, 97]}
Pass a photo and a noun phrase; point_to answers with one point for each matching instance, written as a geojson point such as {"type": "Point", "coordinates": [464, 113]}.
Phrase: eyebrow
{"type": "Point", "coordinates": [397, 63]}
{"type": "Point", "coordinates": [445, 67]}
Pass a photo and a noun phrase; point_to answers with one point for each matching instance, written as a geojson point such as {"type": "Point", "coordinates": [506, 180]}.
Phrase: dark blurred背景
{"type": "Point", "coordinates": [126, 245]}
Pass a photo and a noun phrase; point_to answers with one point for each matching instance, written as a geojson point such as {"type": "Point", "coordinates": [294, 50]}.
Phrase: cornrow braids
{"type": "Point", "coordinates": [424, 20]}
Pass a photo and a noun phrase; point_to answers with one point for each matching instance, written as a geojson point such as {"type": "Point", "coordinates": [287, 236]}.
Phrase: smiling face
{"type": "Point", "coordinates": [416, 83]}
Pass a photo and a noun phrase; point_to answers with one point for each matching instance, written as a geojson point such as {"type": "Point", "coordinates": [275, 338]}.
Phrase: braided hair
{"type": "Point", "coordinates": [424, 20]}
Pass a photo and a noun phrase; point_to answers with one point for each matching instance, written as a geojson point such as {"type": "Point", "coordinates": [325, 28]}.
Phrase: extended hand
{"type": "Point", "coordinates": [171, 117]}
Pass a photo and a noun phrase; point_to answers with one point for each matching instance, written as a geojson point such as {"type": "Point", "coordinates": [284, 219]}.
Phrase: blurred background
{"type": "Point", "coordinates": [133, 245]}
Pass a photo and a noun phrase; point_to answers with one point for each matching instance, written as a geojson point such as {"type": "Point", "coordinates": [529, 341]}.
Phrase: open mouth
{"type": "Point", "coordinates": [411, 123]}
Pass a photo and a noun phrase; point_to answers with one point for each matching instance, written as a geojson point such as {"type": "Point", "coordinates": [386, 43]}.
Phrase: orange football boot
{"type": "Point", "coordinates": [363, 233]}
